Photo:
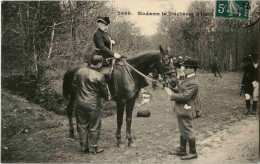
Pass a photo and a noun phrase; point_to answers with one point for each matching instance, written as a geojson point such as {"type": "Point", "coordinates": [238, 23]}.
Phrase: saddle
{"type": "Point", "coordinates": [108, 70]}
{"type": "Point", "coordinates": [119, 79]}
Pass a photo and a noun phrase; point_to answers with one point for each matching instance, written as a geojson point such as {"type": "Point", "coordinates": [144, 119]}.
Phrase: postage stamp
{"type": "Point", "coordinates": [232, 9]}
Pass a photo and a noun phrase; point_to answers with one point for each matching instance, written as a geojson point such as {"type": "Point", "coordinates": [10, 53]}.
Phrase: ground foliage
{"type": "Point", "coordinates": [46, 138]}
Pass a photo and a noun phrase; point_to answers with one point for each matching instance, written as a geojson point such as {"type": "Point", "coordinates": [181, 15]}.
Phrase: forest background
{"type": "Point", "coordinates": [40, 40]}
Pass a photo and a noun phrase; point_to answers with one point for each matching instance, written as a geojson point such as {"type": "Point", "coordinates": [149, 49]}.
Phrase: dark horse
{"type": "Point", "coordinates": [145, 63]}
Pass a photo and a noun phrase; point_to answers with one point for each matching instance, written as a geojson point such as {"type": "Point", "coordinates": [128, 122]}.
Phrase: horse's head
{"type": "Point", "coordinates": [148, 61]}
{"type": "Point", "coordinates": [165, 60]}
{"type": "Point", "coordinates": [165, 56]}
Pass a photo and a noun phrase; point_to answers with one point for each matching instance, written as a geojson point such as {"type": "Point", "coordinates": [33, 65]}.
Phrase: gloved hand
{"type": "Point", "coordinates": [113, 42]}
{"type": "Point", "coordinates": [175, 90]}
{"type": "Point", "coordinates": [117, 55]}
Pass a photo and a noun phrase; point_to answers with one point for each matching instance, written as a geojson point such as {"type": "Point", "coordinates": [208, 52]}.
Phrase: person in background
{"type": "Point", "coordinates": [179, 62]}
{"type": "Point", "coordinates": [216, 67]}
{"type": "Point", "coordinates": [155, 76]}
{"type": "Point", "coordinates": [250, 85]}
{"type": "Point", "coordinates": [90, 88]}
{"type": "Point", "coordinates": [182, 71]}
{"type": "Point", "coordinates": [187, 102]}
{"type": "Point", "coordinates": [168, 66]}
{"type": "Point", "coordinates": [174, 61]}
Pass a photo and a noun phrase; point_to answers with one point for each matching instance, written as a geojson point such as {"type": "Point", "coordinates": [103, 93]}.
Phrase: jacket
{"type": "Point", "coordinates": [188, 95]}
{"type": "Point", "coordinates": [250, 75]}
{"type": "Point", "coordinates": [90, 87]}
{"type": "Point", "coordinates": [215, 66]}
{"type": "Point", "coordinates": [103, 45]}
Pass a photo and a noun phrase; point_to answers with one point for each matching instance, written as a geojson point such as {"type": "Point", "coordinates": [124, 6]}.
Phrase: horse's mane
{"type": "Point", "coordinates": [145, 56]}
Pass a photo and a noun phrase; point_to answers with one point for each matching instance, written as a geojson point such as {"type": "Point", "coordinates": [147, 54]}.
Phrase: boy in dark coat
{"type": "Point", "coordinates": [187, 102]}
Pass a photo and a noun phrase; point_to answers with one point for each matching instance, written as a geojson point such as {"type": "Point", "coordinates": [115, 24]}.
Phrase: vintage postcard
{"type": "Point", "coordinates": [130, 81]}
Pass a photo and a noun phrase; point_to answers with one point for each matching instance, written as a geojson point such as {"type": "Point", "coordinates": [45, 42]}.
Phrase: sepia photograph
{"type": "Point", "coordinates": [120, 81]}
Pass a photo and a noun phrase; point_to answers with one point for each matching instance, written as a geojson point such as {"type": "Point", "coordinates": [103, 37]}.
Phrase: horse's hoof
{"type": "Point", "coordinates": [132, 144]}
{"type": "Point", "coordinates": [121, 146]}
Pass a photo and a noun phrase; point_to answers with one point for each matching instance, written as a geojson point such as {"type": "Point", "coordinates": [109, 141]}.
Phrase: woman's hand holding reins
{"type": "Point", "coordinates": [117, 55]}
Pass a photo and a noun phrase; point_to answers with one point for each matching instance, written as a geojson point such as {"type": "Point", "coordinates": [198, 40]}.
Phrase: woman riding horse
{"type": "Point", "coordinates": [103, 42]}
{"type": "Point", "coordinates": [124, 95]}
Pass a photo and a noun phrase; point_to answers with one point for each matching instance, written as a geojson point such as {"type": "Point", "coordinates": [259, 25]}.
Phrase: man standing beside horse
{"type": "Point", "coordinates": [90, 88]}
{"type": "Point", "coordinates": [187, 102]}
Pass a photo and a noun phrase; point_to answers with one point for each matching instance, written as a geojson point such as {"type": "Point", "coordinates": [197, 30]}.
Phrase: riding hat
{"type": "Point", "coordinates": [104, 20]}
{"type": "Point", "coordinates": [255, 56]}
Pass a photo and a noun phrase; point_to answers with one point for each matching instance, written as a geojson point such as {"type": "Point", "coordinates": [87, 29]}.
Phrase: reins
{"type": "Point", "coordinates": [140, 73]}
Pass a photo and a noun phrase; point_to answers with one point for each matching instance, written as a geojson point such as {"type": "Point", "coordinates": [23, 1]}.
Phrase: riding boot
{"type": "Point", "coordinates": [254, 108]}
{"type": "Point", "coordinates": [193, 153]}
{"type": "Point", "coordinates": [180, 151]}
{"type": "Point", "coordinates": [247, 110]}
{"type": "Point", "coordinates": [84, 147]}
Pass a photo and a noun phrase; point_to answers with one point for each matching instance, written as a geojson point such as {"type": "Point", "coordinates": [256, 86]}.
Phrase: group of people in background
{"type": "Point", "coordinates": [175, 68]}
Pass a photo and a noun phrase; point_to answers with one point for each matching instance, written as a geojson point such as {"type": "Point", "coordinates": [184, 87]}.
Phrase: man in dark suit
{"type": "Point", "coordinates": [90, 88]}
{"type": "Point", "coordinates": [103, 43]}
{"type": "Point", "coordinates": [187, 102]}
{"type": "Point", "coordinates": [250, 84]}
{"type": "Point", "coordinates": [216, 67]}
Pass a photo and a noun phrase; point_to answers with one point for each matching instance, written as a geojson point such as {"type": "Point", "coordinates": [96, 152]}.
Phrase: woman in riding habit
{"type": "Point", "coordinates": [103, 42]}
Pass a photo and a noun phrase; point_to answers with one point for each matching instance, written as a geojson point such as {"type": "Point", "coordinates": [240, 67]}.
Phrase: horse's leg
{"type": "Point", "coordinates": [69, 110]}
{"type": "Point", "coordinates": [120, 104]}
{"type": "Point", "coordinates": [129, 110]}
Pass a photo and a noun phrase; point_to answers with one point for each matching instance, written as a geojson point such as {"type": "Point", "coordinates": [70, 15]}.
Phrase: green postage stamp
{"type": "Point", "coordinates": [232, 9]}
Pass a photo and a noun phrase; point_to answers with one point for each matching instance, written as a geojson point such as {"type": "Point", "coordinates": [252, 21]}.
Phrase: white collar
{"type": "Point", "coordinates": [255, 64]}
{"type": "Point", "coordinates": [190, 75]}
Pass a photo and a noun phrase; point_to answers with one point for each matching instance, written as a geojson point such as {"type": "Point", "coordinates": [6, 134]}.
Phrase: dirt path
{"type": "Point", "coordinates": [237, 144]}
{"type": "Point", "coordinates": [154, 137]}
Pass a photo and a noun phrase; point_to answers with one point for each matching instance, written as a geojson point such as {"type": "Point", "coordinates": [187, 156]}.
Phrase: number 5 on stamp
{"type": "Point", "coordinates": [232, 9]}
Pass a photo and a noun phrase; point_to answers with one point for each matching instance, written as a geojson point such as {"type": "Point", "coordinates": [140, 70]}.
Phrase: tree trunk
{"type": "Point", "coordinates": [51, 43]}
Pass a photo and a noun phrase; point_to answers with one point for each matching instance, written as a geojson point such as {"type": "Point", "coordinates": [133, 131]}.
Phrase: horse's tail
{"type": "Point", "coordinates": [66, 86]}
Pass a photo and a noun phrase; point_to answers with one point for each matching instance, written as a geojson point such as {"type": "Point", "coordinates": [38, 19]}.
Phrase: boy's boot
{"type": "Point", "coordinates": [181, 151]}
{"type": "Point", "coordinates": [193, 153]}
{"type": "Point", "coordinates": [254, 108]}
{"type": "Point", "coordinates": [247, 110]}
